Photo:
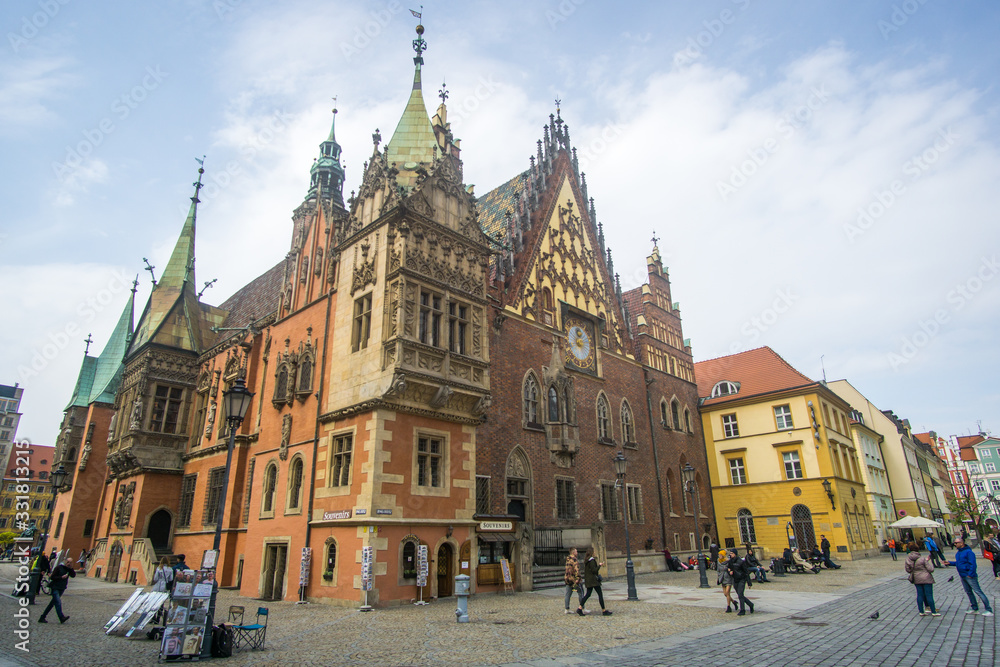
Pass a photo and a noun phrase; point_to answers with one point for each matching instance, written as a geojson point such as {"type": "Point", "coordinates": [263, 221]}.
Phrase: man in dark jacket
{"type": "Point", "coordinates": [57, 584]}
{"type": "Point", "coordinates": [741, 576]}
{"type": "Point", "coordinates": [825, 550]}
{"type": "Point", "coordinates": [754, 567]}
{"type": "Point", "coordinates": [713, 554]}
{"type": "Point", "coordinates": [965, 563]}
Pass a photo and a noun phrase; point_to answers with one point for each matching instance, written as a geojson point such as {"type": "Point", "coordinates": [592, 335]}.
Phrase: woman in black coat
{"type": "Point", "coordinates": [592, 580]}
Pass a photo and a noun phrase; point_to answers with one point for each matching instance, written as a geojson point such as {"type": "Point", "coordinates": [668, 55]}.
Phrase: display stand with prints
{"type": "Point", "coordinates": [421, 572]}
{"type": "Point", "coordinates": [367, 574]}
{"type": "Point", "coordinates": [187, 622]}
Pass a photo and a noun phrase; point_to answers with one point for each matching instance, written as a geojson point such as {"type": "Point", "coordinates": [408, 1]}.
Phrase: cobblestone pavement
{"type": "Point", "coordinates": [675, 623]}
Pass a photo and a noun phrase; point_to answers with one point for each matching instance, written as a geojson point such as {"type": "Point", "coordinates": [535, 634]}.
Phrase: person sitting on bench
{"type": "Point", "coordinates": [801, 564]}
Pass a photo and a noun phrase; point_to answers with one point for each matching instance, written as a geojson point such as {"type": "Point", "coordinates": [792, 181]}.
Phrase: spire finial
{"type": "Point", "coordinates": [655, 240]}
{"type": "Point", "coordinates": [150, 267]}
{"type": "Point", "coordinates": [443, 93]}
{"type": "Point", "coordinates": [334, 104]}
{"type": "Point", "coordinates": [135, 284]}
{"type": "Point", "coordinates": [419, 44]}
{"type": "Point", "coordinates": [558, 105]}
{"type": "Point", "coordinates": [197, 184]}
{"type": "Point", "coordinates": [88, 340]}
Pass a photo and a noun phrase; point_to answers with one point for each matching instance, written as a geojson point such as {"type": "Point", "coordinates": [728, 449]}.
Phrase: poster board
{"type": "Point", "coordinates": [305, 566]}
{"type": "Point", "coordinates": [422, 565]}
{"type": "Point", "coordinates": [366, 568]}
{"type": "Point", "coordinates": [505, 571]}
{"type": "Point", "coordinates": [187, 613]}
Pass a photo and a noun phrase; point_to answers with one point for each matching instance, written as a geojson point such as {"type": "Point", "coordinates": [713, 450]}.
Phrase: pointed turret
{"type": "Point", "coordinates": [327, 175]}
{"type": "Point", "coordinates": [173, 316]}
{"type": "Point", "coordinates": [414, 142]}
{"type": "Point", "coordinates": [111, 362]}
{"type": "Point", "coordinates": [84, 383]}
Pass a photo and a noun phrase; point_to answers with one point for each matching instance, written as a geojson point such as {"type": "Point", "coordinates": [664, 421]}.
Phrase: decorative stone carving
{"type": "Point", "coordinates": [397, 386]}
{"type": "Point", "coordinates": [286, 435]}
{"type": "Point", "coordinates": [210, 420]}
{"type": "Point", "coordinates": [441, 397]}
{"type": "Point", "coordinates": [482, 405]}
{"type": "Point", "coordinates": [364, 272]}
{"type": "Point", "coordinates": [135, 422]}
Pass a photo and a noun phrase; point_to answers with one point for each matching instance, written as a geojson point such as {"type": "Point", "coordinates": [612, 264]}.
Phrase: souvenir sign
{"type": "Point", "coordinates": [209, 560]}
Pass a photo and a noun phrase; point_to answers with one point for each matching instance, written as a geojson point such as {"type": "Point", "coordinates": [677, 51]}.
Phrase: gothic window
{"type": "Point", "coordinates": [548, 311]}
{"type": "Point", "coordinates": [186, 500]}
{"type": "Point", "coordinates": [362, 322]}
{"type": "Point", "coordinates": [270, 482]}
{"type": "Point", "coordinates": [166, 409]}
{"type": "Point", "coordinates": [305, 374]}
{"type": "Point", "coordinates": [553, 405]}
{"type": "Point", "coordinates": [295, 484]}
{"type": "Point", "coordinates": [663, 415]}
{"type": "Point", "coordinates": [603, 419]}
{"type": "Point", "coordinates": [669, 491]}
{"type": "Point", "coordinates": [687, 421]}
{"type": "Point", "coordinates": [430, 318]}
{"type": "Point", "coordinates": [747, 533]}
{"type": "Point", "coordinates": [628, 430]}
{"type": "Point", "coordinates": [247, 491]}
{"type": "Point", "coordinates": [410, 559]}
{"type": "Point", "coordinates": [281, 384]}
{"type": "Point", "coordinates": [212, 494]}
{"type": "Point", "coordinates": [340, 460]}
{"type": "Point", "coordinates": [430, 461]}
{"type": "Point", "coordinates": [530, 393]}
{"type": "Point", "coordinates": [458, 327]}
{"type": "Point", "coordinates": [331, 560]}
{"type": "Point", "coordinates": [675, 414]}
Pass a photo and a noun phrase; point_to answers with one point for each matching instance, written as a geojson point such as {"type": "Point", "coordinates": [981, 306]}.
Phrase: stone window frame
{"type": "Point", "coordinates": [557, 505]}
{"type": "Point", "coordinates": [289, 508]}
{"type": "Point", "coordinates": [633, 495]}
{"type": "Point", "coordinates": [336, 561]}
{"type": "Point", "coordinates": [264, 494]}
{"type": "Point", "coordinates": [443, 491]}
{"type": "Point", "coordinates": [531, 380]}
{"type": "Point", "coordinates": [608, 437]}
{"type": "Point", "coordinates": [783, 421]}
{"type": "Point", "coordinates": [401, 547]}
{"type": "Point", "coordinates": [730, 425]}
{"type": "Point", "coordinates": [627, 420]}
{"type": "Point", "coordinates": [609, 501]}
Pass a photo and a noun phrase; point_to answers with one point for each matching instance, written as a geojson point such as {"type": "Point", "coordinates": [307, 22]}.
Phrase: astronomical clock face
{"type": "Point", "coordinates": [580, 347]}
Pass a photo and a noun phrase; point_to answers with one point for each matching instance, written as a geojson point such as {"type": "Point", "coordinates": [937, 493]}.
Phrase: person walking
{"type": "Point", "coordinates": [933, 550]}
{"type": "Point", "coordinates": [965, 563]}
{"type": "Point", "coordinates": [592, 579]}
{"type": "Point", "coordinates": [725, 579]}
{"type": "Point", "coordinates": [892, 548]}
{"type": "Point", "coordinates": [57, 584]}
{"type": "Point", "coordinates": [741, 577]}
{"type": "Point", "coordinates": [572, 579]}
{"type": "Point", "coordinates": [920, 568]}
{"type": "Point", "coordinates": [163, 576]}
{"type": "Point", "coordinates": [824, 546]}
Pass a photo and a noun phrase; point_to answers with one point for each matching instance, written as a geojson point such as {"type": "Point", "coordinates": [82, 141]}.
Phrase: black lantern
{"type": "Point", "coordinates": [621, 466]}
{"type": "Point", "coordinates": [829, 492]}
{"type": "Point", "coordinates": [58, 477]}
{"type": "Point", "coordinates": [236, 401]}
{"type": "Point", "coordinates": [688, 477]}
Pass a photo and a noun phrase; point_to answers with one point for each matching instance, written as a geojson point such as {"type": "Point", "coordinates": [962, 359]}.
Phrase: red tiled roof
{"type": "Point", "coordinates": [255, 300]}
{"type": "Point", "coordinates": [39, 460]}
{"type": "Point", "coordinates": [967, 441]}
{"type": "Point", "coordinates": [759, 371]}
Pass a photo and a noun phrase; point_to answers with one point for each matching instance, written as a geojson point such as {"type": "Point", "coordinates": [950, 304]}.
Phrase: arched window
{"type": "Point", "coordinates": [747, 533]}
{"type": "Point", "coordinates": [305, 375]}
{"type": "Point", "coordinates": [530, 399]}
{"type": "Point", "coordinates": [663, 414]}
{"type": "Point", "coordinates": [603, 418]}
{"type": "Point", "coordinates": [725, 388]}
{"type": "Point", "coordinates": [331, 560]}
{"type": "Point", "coordinates": [270, 481]}
{"type": "Point", "coordinates": [553, 405]}
{"type": "Point", "coordinates": [281, 384]}
{"type": "Point", "coordinates": [409, 559]}
{"type": "Point", "coordinates": [628, 432]}
{"type": "Point", "coordinates": [669, 491]}
{"type": "Point", "coordinates": [675, 414]}
{"type": "Point", "coordinates": [802, 524]}
{"type": "Point", "coordinates": [687, 421]}
{"type": "Point", "coordinates": [71, 456]}
{"type": "Point", "coordinates": [295, 485]}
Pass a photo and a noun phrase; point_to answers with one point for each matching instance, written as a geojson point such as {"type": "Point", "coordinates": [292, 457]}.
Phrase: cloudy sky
{"type": "Point", "coordinates": [822, 176]}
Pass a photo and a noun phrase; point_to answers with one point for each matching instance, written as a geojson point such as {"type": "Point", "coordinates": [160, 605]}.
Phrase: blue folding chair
{"type": "Point", "coordinates": [253, 634]}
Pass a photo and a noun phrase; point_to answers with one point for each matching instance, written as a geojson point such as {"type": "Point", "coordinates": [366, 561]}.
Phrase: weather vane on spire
{"type": "Point", "coordinates": [443, 93]}
{"type": "Point", "coordinates": [419, 45]}
{"type": "Point", "coordinates": [334, 104]}
{"type": "Point", "coordinates": [655, 240]}
{"type": "Point", "coordinates": [88, 340]}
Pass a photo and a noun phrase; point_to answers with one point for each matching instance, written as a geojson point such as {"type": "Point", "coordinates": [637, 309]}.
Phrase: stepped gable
{"type": "Point", "coordinates": [758, 371]}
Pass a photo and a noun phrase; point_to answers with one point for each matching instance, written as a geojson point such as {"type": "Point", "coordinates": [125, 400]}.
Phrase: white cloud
{"type": "Point", "coordinates": [27, 87]}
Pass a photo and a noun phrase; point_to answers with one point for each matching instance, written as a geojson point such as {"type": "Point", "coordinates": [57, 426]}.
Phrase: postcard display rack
{"type": "Point", "coordinates": [188, 621]}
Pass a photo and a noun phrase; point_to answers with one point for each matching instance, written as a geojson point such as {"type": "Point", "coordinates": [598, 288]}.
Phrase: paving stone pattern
{"type": "Point", "coordinates": [838, 633]}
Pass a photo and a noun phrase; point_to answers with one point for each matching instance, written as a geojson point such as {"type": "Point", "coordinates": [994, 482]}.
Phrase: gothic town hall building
{"type": "Point", "coordinates": [429, 368]}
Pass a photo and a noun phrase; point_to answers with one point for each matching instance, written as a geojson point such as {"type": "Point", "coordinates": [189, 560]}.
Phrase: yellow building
{"type": "Point", "coordinates": [26, 494]}
{"type": "Point", "coordinates": [783, 465]}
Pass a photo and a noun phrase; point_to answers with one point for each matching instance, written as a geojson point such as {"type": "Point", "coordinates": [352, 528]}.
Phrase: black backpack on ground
{"type": "Point", "coordinates": [222, 641]}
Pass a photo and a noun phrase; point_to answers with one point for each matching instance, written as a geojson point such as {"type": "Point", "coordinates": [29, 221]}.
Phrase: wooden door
{"type": "Point", "coordinates": [444, 571]}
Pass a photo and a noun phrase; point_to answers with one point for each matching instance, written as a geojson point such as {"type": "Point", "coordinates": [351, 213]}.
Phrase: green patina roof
{"type": "Point", "coordinates": [110, 363]}
{"type": "Point", "coordinates": [413, 142]}
{"type": "Point", "coordinates": [84, 383]}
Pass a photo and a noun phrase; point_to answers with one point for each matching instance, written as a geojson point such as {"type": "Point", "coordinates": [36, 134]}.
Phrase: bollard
{"type": "Point", "coordinates": [462, 593]}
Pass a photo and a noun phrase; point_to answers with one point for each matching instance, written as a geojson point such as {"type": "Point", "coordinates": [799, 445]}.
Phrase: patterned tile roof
{"type": "Point", "coordinates": [257, 299]}
{"type": "Point", "coordinates": [494, 205]}
{"type": "Point", "coordinates": [759, 371]}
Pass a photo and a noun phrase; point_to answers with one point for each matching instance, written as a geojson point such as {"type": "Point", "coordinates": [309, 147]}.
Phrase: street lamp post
{"type": "Point", "coordinates": [235, 402]}
{"type": "Point", "coordinates": [58, 477]}
{"type": "Point", "coordinates": [687, 473]}
{"type": "Point", "coordinates": [621, 466]}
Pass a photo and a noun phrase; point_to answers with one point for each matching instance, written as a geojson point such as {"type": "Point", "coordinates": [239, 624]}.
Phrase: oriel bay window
{"type": "Point", "coordinates": [362, 322]}
{"type": "Point", "coordinates": [166, 408]}
{"type": "Point", "coordinates": [458, 327]}
{"type": "Point", "coordinates": [430, 318]}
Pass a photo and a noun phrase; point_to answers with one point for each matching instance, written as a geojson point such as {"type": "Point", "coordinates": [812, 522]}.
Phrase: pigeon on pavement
{"type": "Point", "coordinates": [874, 616]}
{"type": "Point", "coordinates": [951, 578]}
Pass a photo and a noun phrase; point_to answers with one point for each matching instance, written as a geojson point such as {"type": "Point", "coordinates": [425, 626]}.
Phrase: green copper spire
{"type": "Point", "coordinates": [413, 143]}
{"type": "Point", "coordinates": [326, 175]}
{"type": "Point", "coordinates": [179, 272]}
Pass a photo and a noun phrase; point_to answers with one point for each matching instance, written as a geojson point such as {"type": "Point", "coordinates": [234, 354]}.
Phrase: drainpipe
{"type": "Point", "coordinates": [656, 458]}
{"type": "Point", "coordinates": [319, 411]}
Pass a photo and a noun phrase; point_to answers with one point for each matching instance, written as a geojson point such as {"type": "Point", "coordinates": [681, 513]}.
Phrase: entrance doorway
{"type": "Point", "coordinates": [273, 579]}
{"type": "Point", "coordinates": [444, 558]}
{"type": "Point", "coordinates": [114, 562]}
{"type": "Point", "coordinates": [802, 524]}
{"type": "Point", "coordinates": [159, 530]}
